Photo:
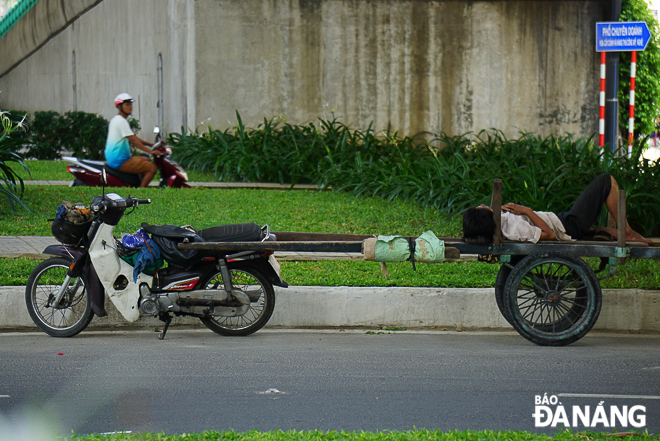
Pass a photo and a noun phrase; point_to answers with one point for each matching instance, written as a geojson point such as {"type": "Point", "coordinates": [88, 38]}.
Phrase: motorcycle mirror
{"type": "Point", "coordinates": [104, 179]}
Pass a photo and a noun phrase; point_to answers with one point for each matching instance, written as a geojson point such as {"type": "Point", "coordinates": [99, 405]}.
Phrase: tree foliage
{"type": "Point", "coordinates": [647, 82]}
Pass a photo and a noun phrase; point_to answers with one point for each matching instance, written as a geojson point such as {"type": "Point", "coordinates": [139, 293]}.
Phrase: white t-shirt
{"type": "Point", "coordinates": [521, 229]}
{"type": "Point", "coordinates": [117, 148]}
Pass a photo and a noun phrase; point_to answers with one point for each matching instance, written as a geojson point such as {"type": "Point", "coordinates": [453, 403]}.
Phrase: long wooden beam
{"type": "Point", "coordinates": [496, 205]}
{"type": "Point", "coordinates": [317, 246]}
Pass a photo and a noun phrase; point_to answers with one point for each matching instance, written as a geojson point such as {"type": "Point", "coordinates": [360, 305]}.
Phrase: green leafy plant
{"type": "Point", "coordinates": [49, 133]}
{"type": "Point", "coordinates": [450, 173]}
{"type": "Point", "coordinates": [11, 184]}
{"type": "Point", "coordinates": [46, 130]}
{"type": "Point", "coordinates": [647, 83]}
{"type": "Point", "coordinates": [134, 124]}
{"type": "Point", "coordinates": [84, 134]}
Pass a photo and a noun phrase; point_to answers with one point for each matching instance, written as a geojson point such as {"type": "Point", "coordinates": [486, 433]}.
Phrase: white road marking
{"type": "Point", "coordinates": [628, 397]}
{"type": "Point", "coordinates": [5, 396]}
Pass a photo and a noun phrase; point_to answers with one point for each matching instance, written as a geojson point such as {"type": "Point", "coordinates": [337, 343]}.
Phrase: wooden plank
{"type": "Point", "coordinates": [496, 205]}
{"type": "Point", "coordinates": [315, 246]}
{"type": "Point", "coordinates": [621, 223]}
{"type": "Point", "coordinates": [300, 246]}
{"type": "Point", "coordinates": [293, 236]}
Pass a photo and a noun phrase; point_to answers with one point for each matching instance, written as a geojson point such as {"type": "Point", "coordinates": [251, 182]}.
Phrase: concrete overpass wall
{"type": "Point", "coordinates": [78, 55]}
{"type": "Point", "coordinates": [452, 66]}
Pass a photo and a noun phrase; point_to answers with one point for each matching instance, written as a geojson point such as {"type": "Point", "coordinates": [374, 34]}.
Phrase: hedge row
{"type": "Point", "coordinates": [447, 172]}
{"type": "Point", "coordinates": [49, 133]}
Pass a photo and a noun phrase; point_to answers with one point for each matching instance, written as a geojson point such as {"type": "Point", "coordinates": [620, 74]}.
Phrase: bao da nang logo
{"type": "Point", "coordinates": [550, 412]}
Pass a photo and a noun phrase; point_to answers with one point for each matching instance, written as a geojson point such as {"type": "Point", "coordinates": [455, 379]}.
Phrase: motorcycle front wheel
{"type": "Point", "coordinates": [262, 302]}
{"type": "Point", "coordinates": [74, 311]}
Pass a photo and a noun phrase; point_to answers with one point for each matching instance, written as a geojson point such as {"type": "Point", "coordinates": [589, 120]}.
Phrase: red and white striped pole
{"type": "Point", "coordinates": [601, 120]}
{"type": "Point", "coordinates": [631, 120]}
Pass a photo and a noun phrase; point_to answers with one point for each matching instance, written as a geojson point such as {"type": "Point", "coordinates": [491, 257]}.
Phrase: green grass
{"type": "Point", "coordinates": [416, 435]}
{"type": "Point", "coordinates": [637, 274]}
{"type": "Point", "coordinates": [308, 211]}
{"type": "Point", "coordinates": [56, 171]}
{"type": "Point", "coordinates": [291, 211]}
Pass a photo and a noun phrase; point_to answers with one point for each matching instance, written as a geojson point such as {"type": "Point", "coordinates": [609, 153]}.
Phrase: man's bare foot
{"type": "Point", "coordinates": [634, 236]}
{"type": "Point", "coordinates": [631, 235]}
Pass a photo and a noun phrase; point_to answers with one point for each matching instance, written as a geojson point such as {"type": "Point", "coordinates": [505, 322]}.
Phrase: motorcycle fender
{"type": "Point", "coordinates": [63, 251]}
{"type": "Point", "coordinates": [109, 267]}
{"type": "Point", "coordinates": [265, 268]}
{"type": "Point", "coordinates": [96, 292]}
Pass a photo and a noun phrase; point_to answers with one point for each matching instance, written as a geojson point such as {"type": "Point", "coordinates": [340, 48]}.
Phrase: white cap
{"type": "Point", "coordinates": [123, 97]}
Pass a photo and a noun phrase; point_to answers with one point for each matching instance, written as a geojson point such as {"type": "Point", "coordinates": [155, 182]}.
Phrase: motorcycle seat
{"type": "Point", "coordinates": [167, 237]}
{"type": "Point", "coordinates": [130, 178]}
{"type": "Point", "coordinates": [247, 232]}
{"type": "Point", "coordinates": [171, 232]}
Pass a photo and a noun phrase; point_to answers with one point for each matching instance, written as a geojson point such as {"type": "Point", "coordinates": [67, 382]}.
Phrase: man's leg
{"type": "Point", "coordinates": [148, 175]}
{"type": "Point", "coordinates": [141, 166]}
{"type": "Point", "coordinates": [587, 207]}
{"type": "Point", "coordinates": [612, 202]}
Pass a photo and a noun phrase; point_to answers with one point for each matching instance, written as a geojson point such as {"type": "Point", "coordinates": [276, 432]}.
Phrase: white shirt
{"type": "Point", "coordinates": [117, 148]}
{"type": "Point", "coordinates": [521, 229]}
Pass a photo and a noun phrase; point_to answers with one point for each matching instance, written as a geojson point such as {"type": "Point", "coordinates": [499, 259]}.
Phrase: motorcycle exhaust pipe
{"type": "Point", "coordinates": [188, 303]}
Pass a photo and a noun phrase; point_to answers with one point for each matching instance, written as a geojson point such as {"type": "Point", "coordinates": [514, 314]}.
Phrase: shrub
{"type": "Point", "coordinates": [46, 130]}
{"type": "Point", "coordinates": [11, 184]}
{"type": "Point", "coordinates": [451, 173]}
{"type": "Point", "coordinates": [84, 134]}
{"type": "Point", "coordinates": [49, 133]}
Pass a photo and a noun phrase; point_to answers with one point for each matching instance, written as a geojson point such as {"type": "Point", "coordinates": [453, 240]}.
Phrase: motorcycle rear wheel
{"type": "Point", "coordinates": [75, 310]}
{"type": "Point", "coordinates": [255, 285]}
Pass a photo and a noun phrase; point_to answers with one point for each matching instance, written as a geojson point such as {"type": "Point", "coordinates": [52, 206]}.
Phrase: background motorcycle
{"type": "Point", "coordinates": [232, 294]}
{"type": "Point", "coordinates": [88, 173]}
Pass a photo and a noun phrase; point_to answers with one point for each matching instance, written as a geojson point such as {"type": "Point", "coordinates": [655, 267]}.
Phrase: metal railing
{"type": "Point", "coordinates": [15, 14]}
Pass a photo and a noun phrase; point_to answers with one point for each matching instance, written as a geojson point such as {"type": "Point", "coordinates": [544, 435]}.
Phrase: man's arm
{"type": "Point", "coordinates": [546, 231]}
{"type": "Point", "coordinates": [142, 145]}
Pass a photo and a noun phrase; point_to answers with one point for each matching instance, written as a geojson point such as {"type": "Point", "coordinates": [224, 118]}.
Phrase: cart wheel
{"type": "Point", "coordinates": [500, 281]}
{"type": "Point", "coordinates": [552, 299]}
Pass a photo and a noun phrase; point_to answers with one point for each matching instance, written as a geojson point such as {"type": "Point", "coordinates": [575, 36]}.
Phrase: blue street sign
{"type": "Point", "coordinates": [618, 36]}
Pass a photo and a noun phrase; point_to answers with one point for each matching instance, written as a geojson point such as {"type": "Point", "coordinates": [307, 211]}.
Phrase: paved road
{"type": "Point", "coordinates": [195, 380]}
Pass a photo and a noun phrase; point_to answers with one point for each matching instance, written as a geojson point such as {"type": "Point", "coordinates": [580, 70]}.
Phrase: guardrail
{"type": "Point", "coordinates": [15, 14]}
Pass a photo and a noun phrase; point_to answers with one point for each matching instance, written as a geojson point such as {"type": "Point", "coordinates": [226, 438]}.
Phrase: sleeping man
{"type": "Point", "coordinates": [520, 223]}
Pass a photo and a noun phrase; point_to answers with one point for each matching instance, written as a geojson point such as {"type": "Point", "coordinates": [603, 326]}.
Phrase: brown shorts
{"type": "Point", "coordinates": [137, 165]}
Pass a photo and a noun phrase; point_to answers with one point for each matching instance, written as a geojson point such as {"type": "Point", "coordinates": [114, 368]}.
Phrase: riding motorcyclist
{"type": "Point", "coordinates": [117, 149]}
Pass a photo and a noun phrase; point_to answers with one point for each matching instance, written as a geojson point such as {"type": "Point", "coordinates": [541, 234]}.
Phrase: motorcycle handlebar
{"type": "Point", "coordinates": [103, 205]}
{"type": "Point", "coordinates": [134, 202]}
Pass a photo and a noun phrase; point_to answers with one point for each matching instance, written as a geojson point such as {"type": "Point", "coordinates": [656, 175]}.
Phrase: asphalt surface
{"type": "Point", "coordinates": [195, 380]}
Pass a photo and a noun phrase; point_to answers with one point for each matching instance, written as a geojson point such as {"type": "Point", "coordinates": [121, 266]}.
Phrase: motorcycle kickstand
{"type": "Point", "coordinates": [167, 318]}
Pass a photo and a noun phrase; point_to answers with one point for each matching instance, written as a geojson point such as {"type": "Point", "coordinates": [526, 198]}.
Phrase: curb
{"type": "Point", "coordinates": [375, 307]}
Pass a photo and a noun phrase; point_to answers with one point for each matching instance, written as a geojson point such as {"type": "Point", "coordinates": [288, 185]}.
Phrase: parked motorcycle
{"type": "Point", "coordinates": [88, 173]}
{"type": "Point", "coordinates": [231, 293]}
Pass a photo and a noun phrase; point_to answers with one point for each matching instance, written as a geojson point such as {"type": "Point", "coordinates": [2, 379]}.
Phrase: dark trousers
{"type": "Point", "coordinates": [586, 207]}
